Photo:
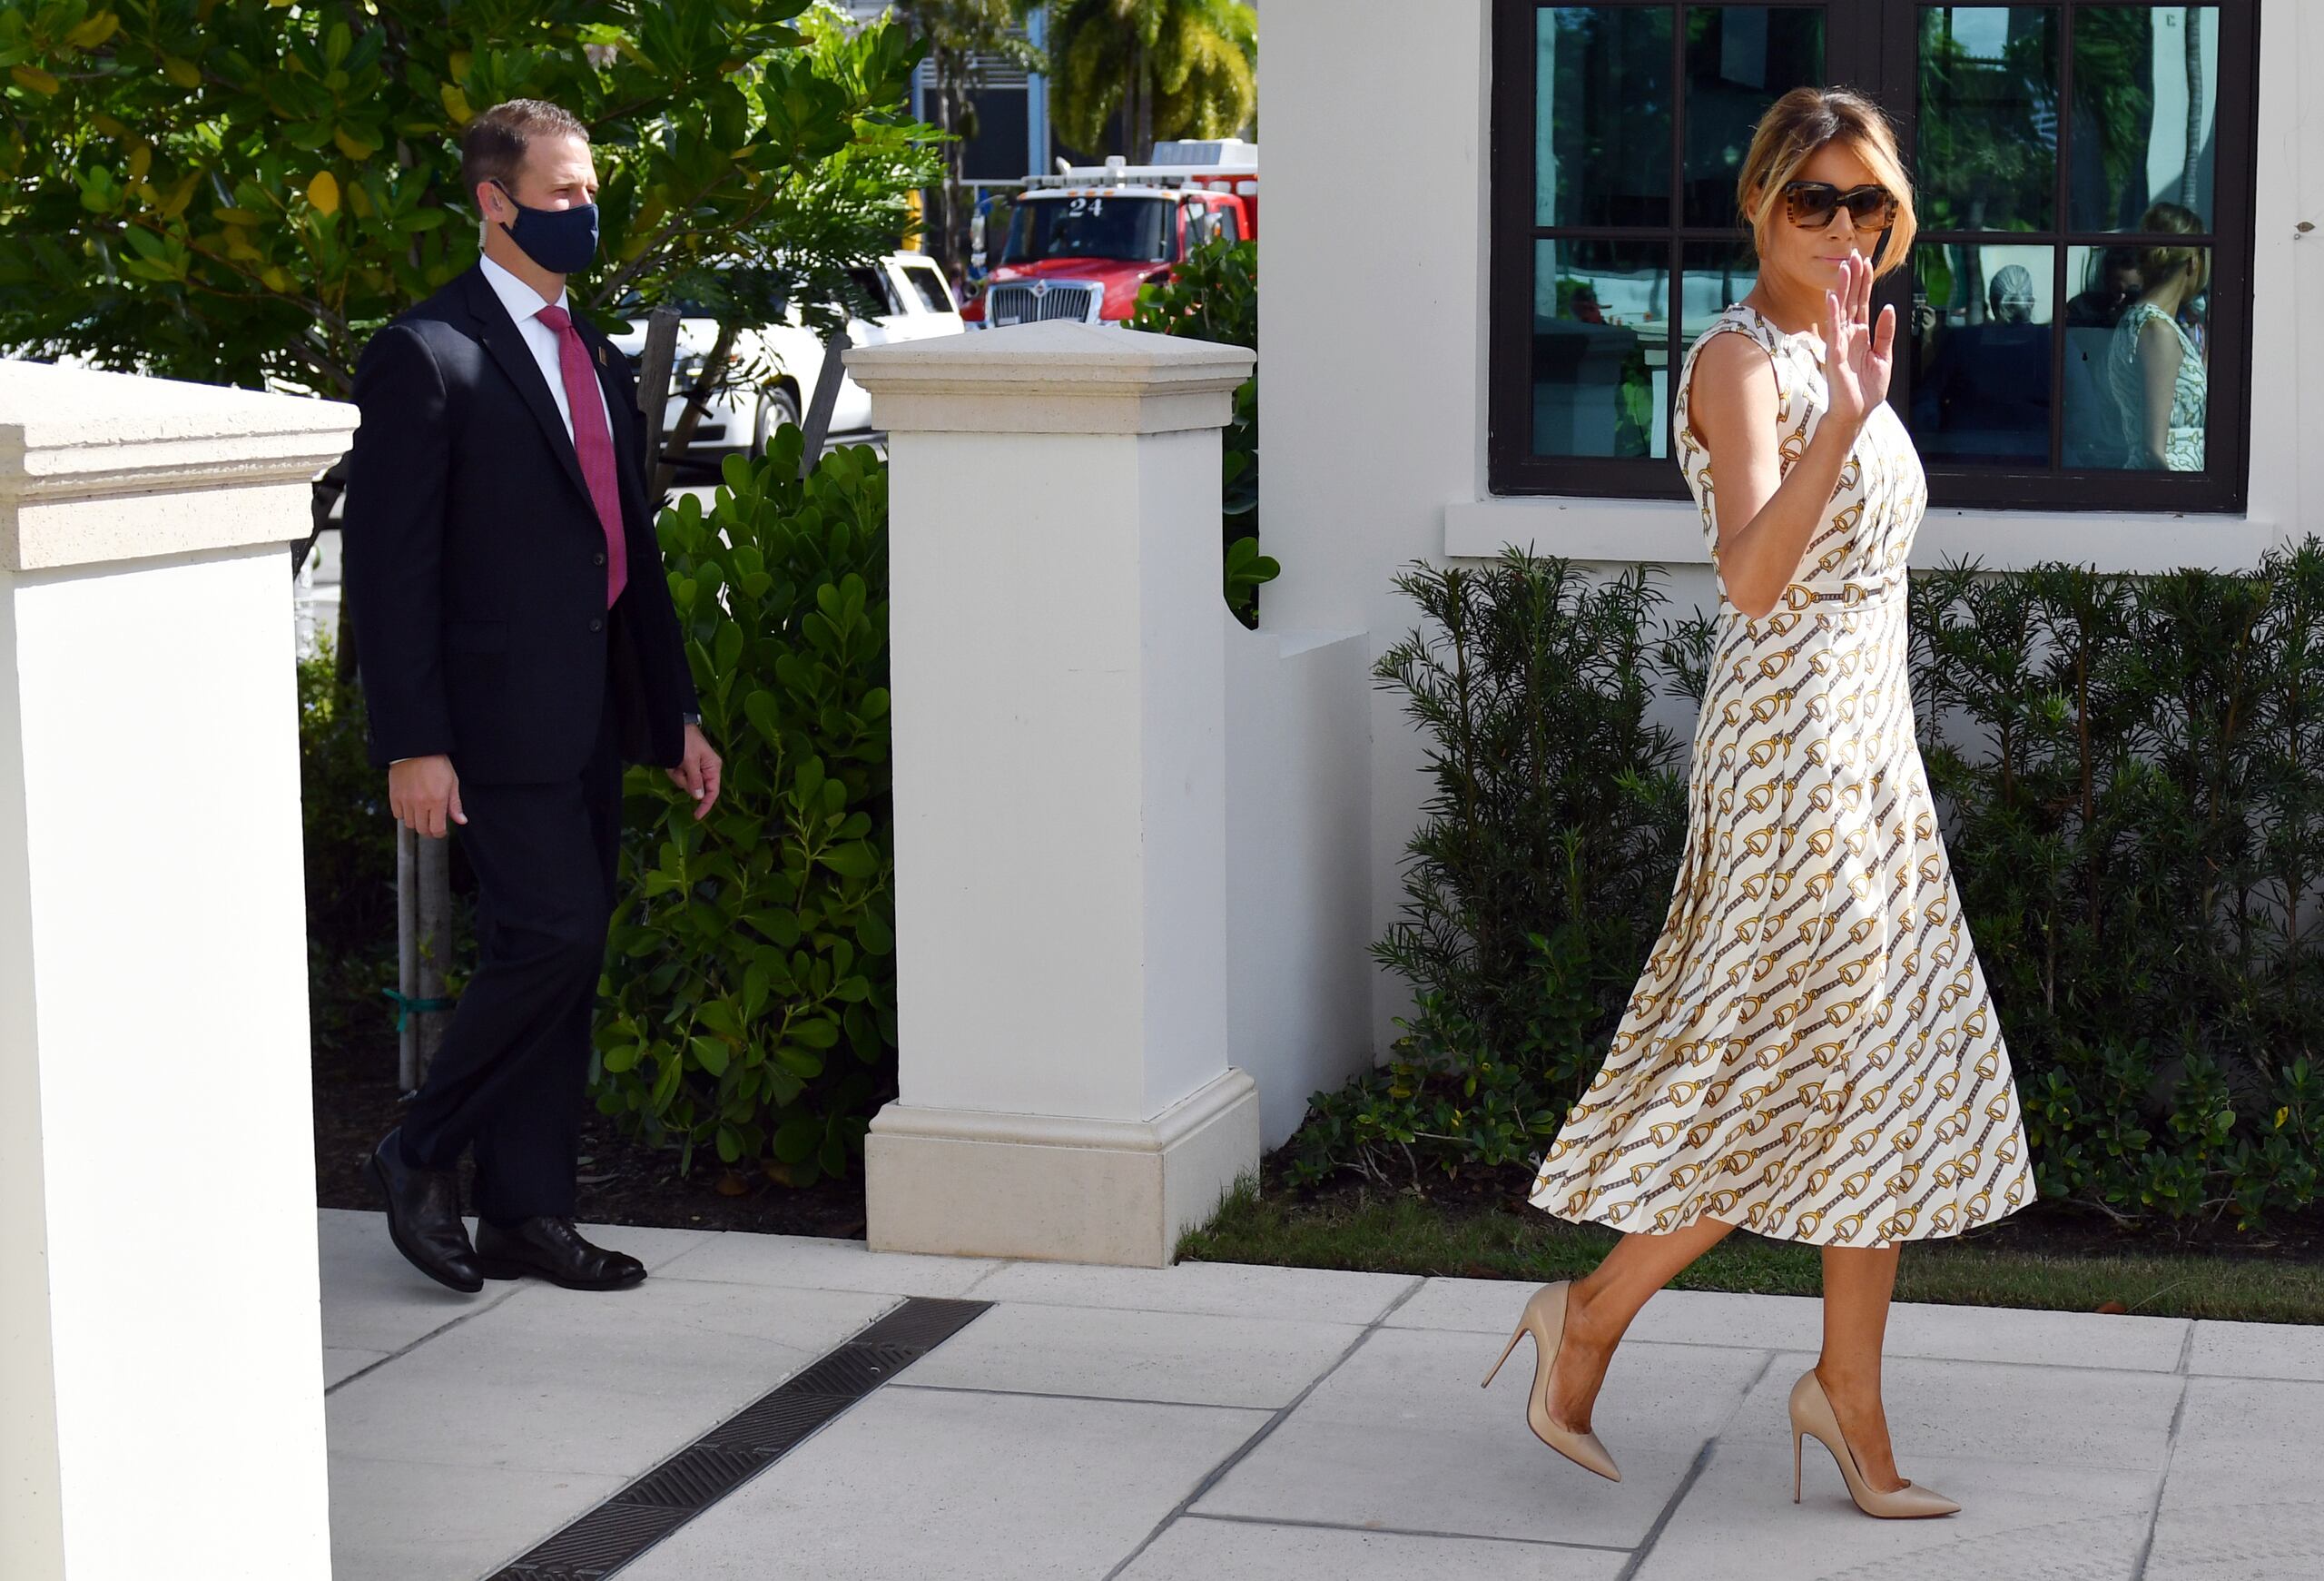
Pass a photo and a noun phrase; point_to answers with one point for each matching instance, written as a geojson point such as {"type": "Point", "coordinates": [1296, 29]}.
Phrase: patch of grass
{"type": "Point", "coordinates": [1379, 1231]}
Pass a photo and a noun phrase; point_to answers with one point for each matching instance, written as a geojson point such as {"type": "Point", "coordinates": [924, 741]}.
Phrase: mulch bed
{"type": "Point", "coordinates": [621, 1182]}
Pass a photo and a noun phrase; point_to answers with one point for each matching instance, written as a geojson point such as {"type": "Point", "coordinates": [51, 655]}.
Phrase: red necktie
{"type": "Point", "coordinates": [591, 443]}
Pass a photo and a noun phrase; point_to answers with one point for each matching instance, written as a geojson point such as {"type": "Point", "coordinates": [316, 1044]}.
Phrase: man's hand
{"type": "Point", "coordinates": [697, 773]}
{"type": "Point", "coordinates": [421, 791]}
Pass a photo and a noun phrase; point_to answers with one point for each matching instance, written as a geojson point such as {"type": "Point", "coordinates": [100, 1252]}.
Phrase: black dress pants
{"type": "Point", "coordinates": [511, 1075]}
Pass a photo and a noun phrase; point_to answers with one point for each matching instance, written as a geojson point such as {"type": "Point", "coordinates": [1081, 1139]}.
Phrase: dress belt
{"type": "Point", "coordinates": [1848, 592]}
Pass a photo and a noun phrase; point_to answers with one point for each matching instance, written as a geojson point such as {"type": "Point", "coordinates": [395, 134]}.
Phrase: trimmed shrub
{"type": "Point", "coordinates": [350, 844]}
{"type": "Point", "coordinates": [2131, 774]}
{"type": "Point", "coordinates": [2139, 840]}
{"type": "Point", "coordinates": [750, 987]}
{"type": "Point", "coordinates": [1555, 814]}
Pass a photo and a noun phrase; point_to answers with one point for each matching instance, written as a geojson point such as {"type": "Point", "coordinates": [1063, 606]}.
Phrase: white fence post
{"type": "Point", "coordinates": [1058, 681]}
{"type": "Point", "coordinates": [161, 1359]}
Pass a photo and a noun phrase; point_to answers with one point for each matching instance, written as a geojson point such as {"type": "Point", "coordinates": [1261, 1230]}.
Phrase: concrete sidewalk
{"type": "Point", "coordinates": [1212, 1421]}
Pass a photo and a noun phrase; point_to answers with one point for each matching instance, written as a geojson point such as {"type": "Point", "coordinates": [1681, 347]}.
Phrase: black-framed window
{"type": "Point", "coordinates": [2076, 314]}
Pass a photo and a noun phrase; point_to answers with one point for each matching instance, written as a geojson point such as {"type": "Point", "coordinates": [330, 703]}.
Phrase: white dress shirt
{"type": "Point", "coordinates": [523, 304]}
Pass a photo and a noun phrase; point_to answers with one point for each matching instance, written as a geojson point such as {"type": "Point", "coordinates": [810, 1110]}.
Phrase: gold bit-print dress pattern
{"type": "Point", "coordinates": [1810, 1053]}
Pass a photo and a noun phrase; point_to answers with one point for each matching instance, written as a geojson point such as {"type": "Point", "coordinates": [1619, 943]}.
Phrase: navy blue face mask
{"type": "Point", "coordinates": [561, 240]}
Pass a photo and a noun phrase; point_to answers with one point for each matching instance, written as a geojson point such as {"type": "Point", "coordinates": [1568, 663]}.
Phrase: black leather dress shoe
{"type": "Point", "coordinates": [424, 1216]}
{"type": "Point", "coordinates": [551, 1249]}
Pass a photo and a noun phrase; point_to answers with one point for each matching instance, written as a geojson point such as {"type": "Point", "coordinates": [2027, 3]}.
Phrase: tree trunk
{"type": "Point", "coordinates": [1141, 99]}
{"type": "Point", "coordinates": [407, 958]}
{"type": "Point", "coordinates": [955, 255]}
{"type": "Point", "coordinates": [2192, 22]}
{"type": "Point", "coordinates": [713, 368]}
{"type": "Point", "coordinates": [435, 909]}
{"type": "Point", "coordinates": [948, 194]}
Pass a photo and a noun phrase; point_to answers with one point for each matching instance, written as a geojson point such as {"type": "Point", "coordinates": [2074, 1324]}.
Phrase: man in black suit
{"type": "Point", "coordinates": [518, 645]}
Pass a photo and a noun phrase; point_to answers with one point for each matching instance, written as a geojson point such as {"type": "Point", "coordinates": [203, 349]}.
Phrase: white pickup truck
{"type": "Point", "coordinates": [773, 367]}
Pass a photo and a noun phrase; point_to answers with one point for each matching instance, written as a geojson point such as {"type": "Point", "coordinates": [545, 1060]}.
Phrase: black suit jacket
{"type": "Point", "coordinates": [476, 565]}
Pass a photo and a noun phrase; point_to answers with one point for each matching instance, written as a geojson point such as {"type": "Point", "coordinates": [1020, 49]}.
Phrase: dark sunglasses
{"type": "Point", "coordinates": [1812, 204]}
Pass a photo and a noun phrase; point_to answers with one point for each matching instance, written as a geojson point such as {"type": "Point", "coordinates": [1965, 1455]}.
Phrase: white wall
{"type": "Point", "coordinates": [1059, 682]}
{"type": "Point", "coordinates": [1031, 964]}
{"type": "Point", "coordinates": [1371, 402]}
{"type": "Point", "coordinates": [161, 1351]}
{"type": "Point", "coordinates": [32, 1523]}
{"type": "Point", "coordinates": [173, 1057]}
{"type": "Point", "coordinates": [1374, 406]}
{"type": "Point", "coordinates": [1298, 829]}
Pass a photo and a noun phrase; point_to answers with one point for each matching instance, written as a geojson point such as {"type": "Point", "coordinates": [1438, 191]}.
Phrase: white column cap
{"type": "Point", "coordinates": [1051, 377]}
{"type": "Point", "coordinates": [99, 467]}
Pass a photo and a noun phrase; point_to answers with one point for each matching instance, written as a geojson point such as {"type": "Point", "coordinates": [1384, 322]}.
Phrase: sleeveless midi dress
{"type": "Point", "coordinates": [1810, 1053]}
{"type": "Point", "coordinates": [2182, 445]}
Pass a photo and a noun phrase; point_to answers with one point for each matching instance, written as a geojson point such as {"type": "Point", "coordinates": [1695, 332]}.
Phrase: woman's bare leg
{"type": "Point", "coordinates": [1859, 1282]}
{"type": "Point", "coordinates": [1602, 1302]}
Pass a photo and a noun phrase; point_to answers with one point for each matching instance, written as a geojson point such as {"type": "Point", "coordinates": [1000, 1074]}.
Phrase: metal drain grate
{"type": "Point", "coordinates": [854, 1367]}
{"type": "Point", "coordinates": [697, 1477]}
{"type": "Point", "coordinates": [681, 1488]}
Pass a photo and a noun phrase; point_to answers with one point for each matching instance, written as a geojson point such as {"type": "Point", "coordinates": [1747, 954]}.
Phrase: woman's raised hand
{"type": "Point", "coordinates": [1857, 355]}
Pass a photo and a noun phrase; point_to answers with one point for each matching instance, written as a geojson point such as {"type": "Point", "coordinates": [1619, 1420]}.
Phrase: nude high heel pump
{"type": "Point", "coordinates": [1544, 1319]}
{"type": "Point", "coordinates": [1811, 1412]}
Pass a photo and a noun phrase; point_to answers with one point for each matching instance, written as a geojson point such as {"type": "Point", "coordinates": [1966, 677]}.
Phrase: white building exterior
{"type": "Point", "coordinates": [1374, 397]}
{"type": "Point", "coordinates": [161, 1393]}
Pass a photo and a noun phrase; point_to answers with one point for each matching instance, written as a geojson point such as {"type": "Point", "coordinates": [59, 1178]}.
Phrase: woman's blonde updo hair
{"type": "Point", "coordinates": [2160, 260]}
{"type": "Point", "coordinates": [1789, 133]}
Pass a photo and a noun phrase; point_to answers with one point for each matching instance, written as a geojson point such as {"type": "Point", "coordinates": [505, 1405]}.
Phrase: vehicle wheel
{"type": "Point", "coordinates": [777, 406]}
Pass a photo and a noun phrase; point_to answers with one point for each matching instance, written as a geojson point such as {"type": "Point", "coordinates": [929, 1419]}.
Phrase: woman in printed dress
{"type": "Point", "coordinates": [1810, 1053]}
{"type": "Point", "coordinates": [2153, 366]}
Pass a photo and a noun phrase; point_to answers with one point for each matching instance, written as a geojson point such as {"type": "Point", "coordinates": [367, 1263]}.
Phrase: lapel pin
{"type": "Point", "coordinates": [601, 356]}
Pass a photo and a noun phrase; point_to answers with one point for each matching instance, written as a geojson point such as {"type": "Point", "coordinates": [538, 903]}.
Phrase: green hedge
{"type": "Point", "coordinates": [751, 981]}
{"type": "Point", "coordinates": [2130, 773]}
{"type": "Point", "coordinates": [350, 844]}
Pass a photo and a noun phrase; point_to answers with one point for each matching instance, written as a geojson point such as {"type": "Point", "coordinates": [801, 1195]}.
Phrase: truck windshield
{"type": "Point", "coordinates": [1139, 229]}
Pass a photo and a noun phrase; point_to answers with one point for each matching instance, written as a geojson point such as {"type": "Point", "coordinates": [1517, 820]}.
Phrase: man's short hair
{"type": "Point", "coordinates": [493, 147]}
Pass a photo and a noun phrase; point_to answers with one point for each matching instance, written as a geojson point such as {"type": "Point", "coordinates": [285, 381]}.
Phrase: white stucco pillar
{"type": "Point", "coordinates": [1058, 685]}
{"type": "Point", "coordinates": [160, 1360]}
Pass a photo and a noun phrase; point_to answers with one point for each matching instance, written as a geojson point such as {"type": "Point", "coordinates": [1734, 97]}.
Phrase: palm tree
{"type": "Point", "coordinates": [1174, 68]}
{"type": "Point", "coordinates": [963, 36]}
{"type": "Point", "coordinates": [2191, 28]}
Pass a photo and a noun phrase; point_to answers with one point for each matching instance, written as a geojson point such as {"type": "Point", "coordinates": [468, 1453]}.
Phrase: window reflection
{"type": "Point", "coordinates": [1982, 391]}
{"type": "Point", "coordinates": [1739, 60]}
{"type": "Point", "coordinates": [2072, 184]}
{"type": "Point", "coordinates": [2145, 104]}
{"type": "Point", "coordinates": [1602, 115]}
{"type": "Point", "coordinates": [2155, 365]}
{"type": "Point", "coordinates": [2105, 281]}
{"type": "Point", "coordinates": [1989, 117]}
{"type": "Point", "coordinates": [1601, 352]}
{"type": "Point", "coordinates": [1718, 274]}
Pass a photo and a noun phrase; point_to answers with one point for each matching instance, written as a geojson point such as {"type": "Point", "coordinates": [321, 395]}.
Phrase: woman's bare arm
{"type": "Point", "coordinates": [2159, 359]}
{"type": "Point", "coordinates": [1766, 516]}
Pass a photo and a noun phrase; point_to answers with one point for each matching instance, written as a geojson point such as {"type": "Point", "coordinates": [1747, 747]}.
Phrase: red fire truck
{"type": "Point", "coordinates": [1081, 242]}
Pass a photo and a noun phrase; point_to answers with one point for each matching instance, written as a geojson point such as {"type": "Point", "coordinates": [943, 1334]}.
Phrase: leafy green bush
{"type": "Point", "coordinates": [351, 859]}
{"type": "Point", "coordinates": [751, 979]}
{"type": "Point", "coordinates": [1214, 295]}
{"type": "Point", "coordinates": [241, 193]}
{"type": "Point", "coordinates": [1555, 816]}
{"type": "Point", "coordinates": [2139, 844]}
{"type": "Point", "coordinates": [2137, 833]}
